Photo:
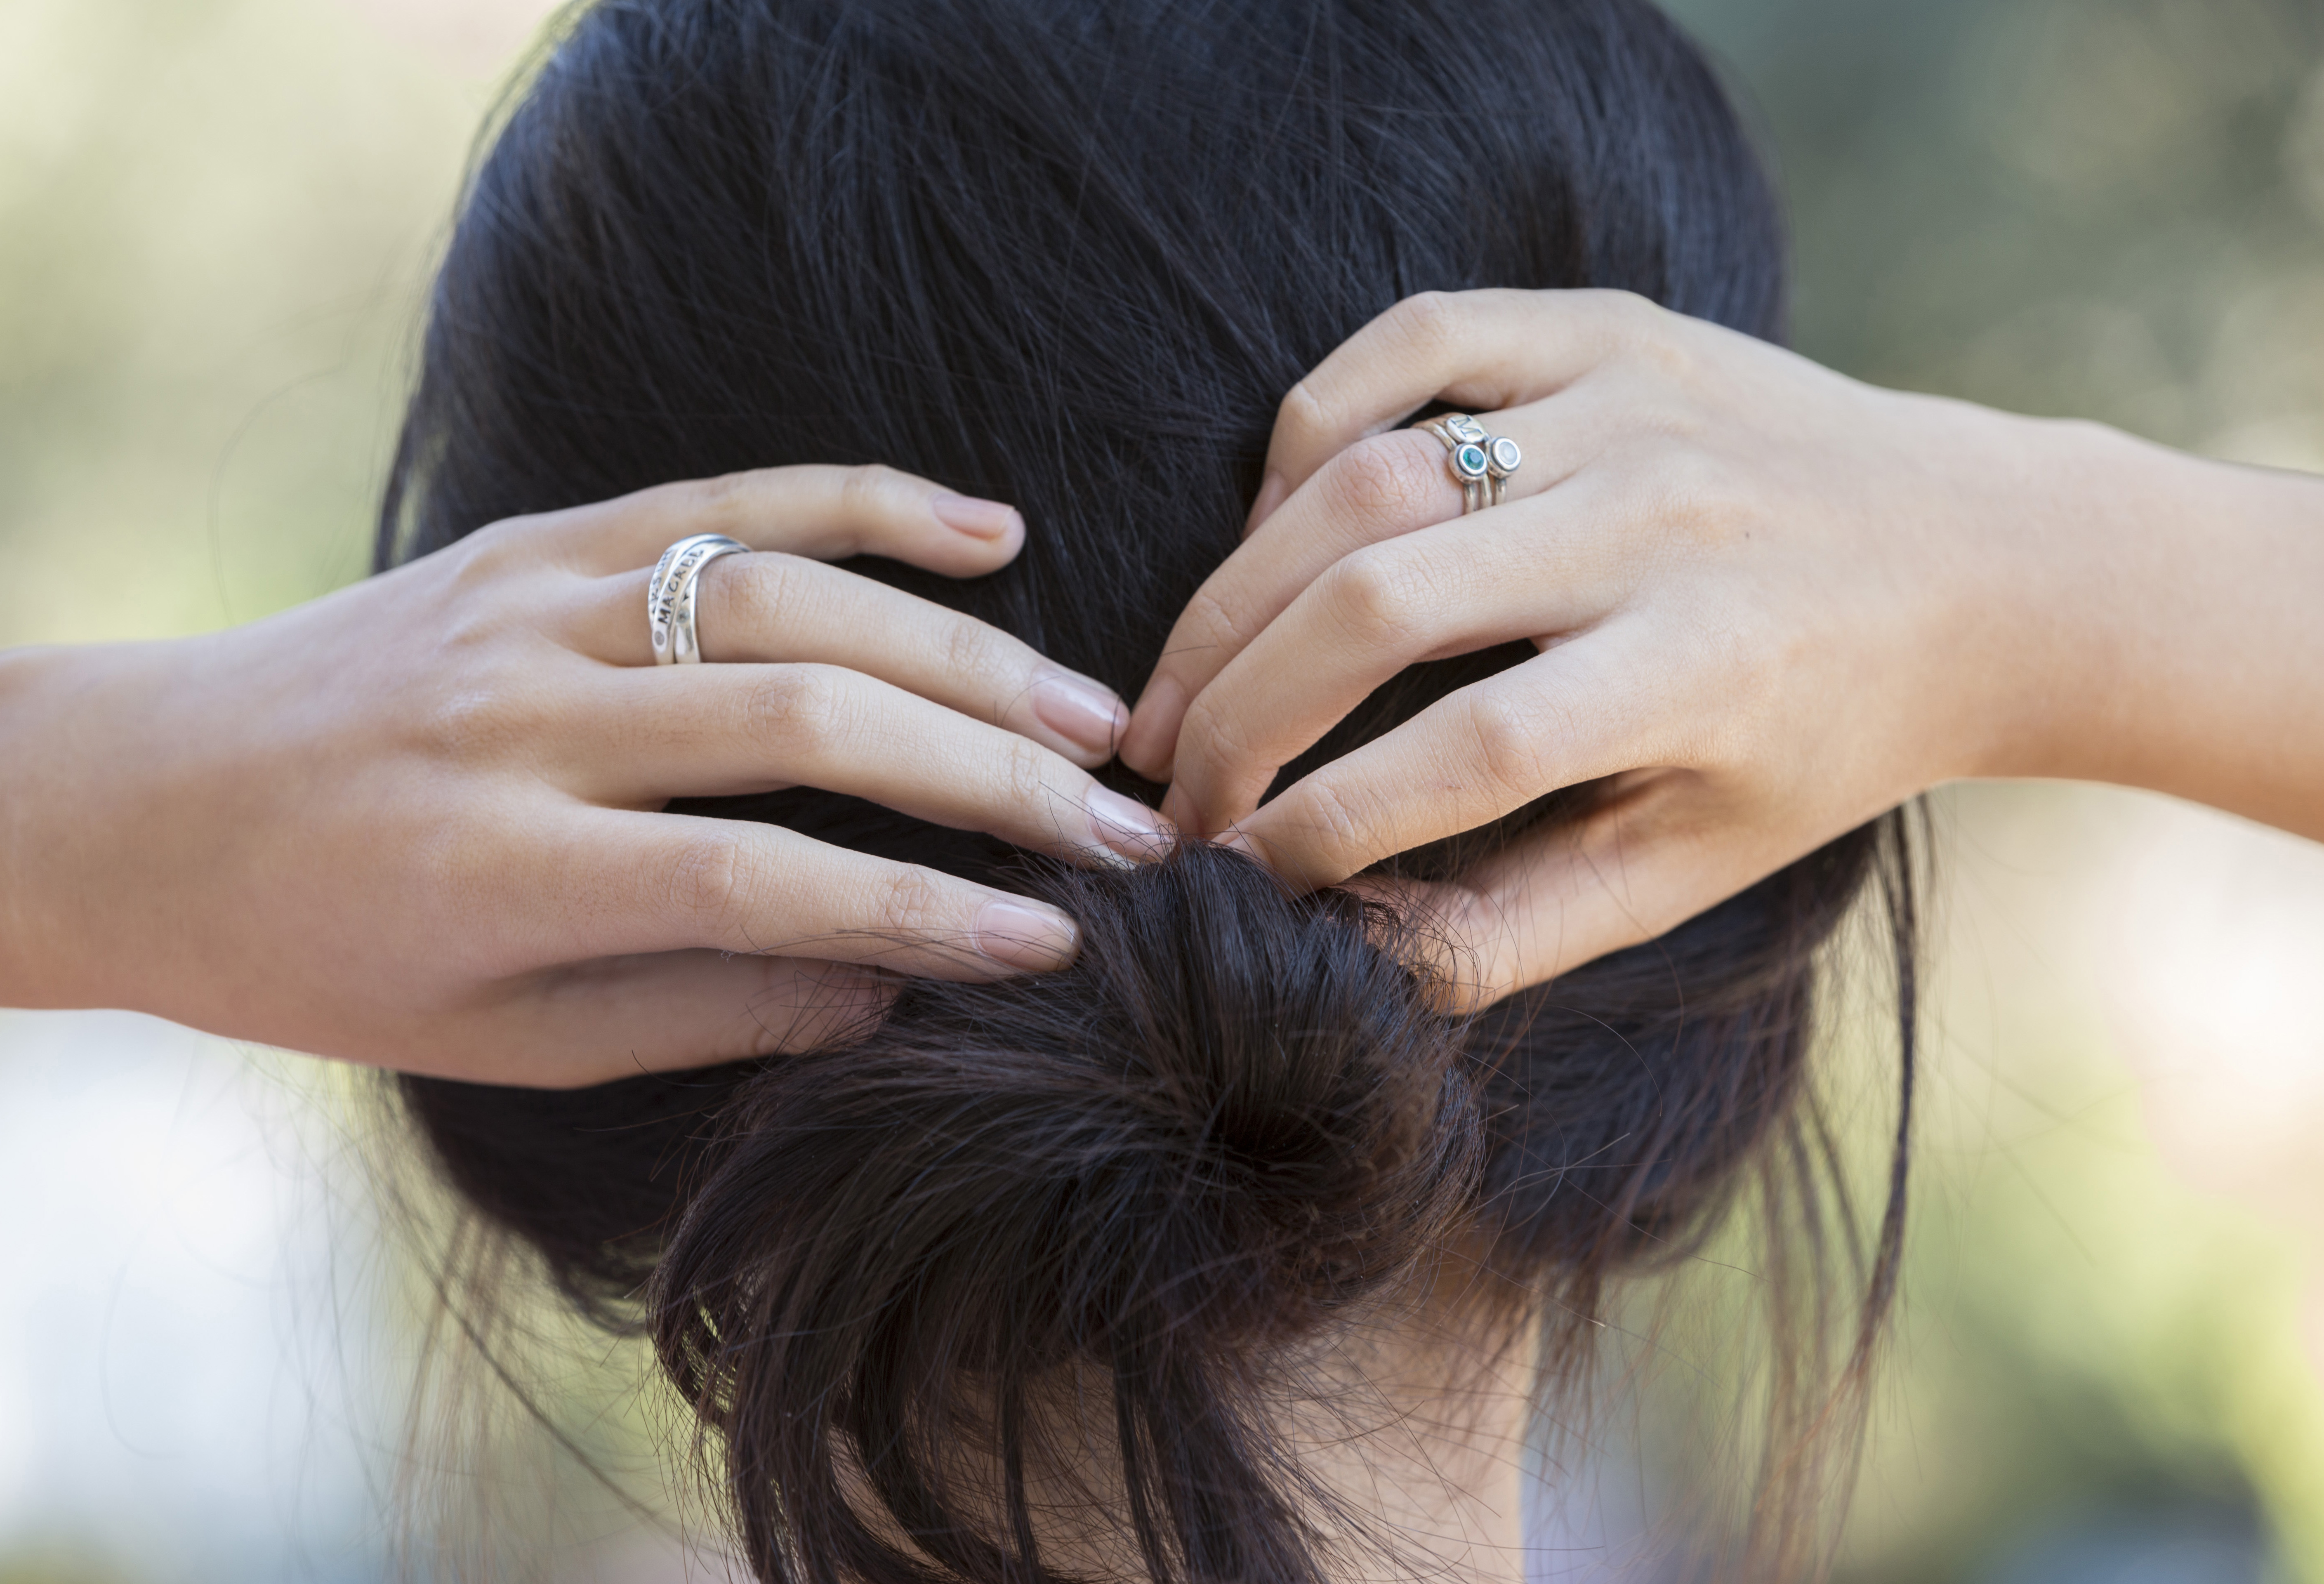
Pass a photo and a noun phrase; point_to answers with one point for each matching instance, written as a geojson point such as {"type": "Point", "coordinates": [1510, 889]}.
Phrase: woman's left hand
{"type": "Point", "coordinates": [1769, 603]}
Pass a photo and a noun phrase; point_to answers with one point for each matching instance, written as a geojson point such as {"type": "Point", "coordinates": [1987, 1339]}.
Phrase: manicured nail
{"type": "Point", "coordinates": [1080, 711]}
{"type": "Point", "coordinates": [1129, 829]}
{"type": "Point", "coordinates": [979, 519]}
{"type": "Point", "coordinates": [1270, 495]}
{"type": "Point", "coordinates": [1025, 936]}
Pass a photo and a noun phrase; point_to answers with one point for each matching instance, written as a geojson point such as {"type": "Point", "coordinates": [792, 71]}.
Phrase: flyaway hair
{"type": "Point", "coordinates": [1071, 254]}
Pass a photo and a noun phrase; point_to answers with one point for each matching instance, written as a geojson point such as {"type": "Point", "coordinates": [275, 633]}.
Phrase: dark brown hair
{"type": "Point", "coordinates": [1071, 254]}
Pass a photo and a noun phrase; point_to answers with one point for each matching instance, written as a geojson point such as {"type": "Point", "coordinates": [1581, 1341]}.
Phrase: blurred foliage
{"type": "Point", "coordinates": [216, 216]}
{"type": "Point", "coordinates": [216, 220]}
{"type": "Point", "coordinates": [2102, 208]}
{"type": "Point", "coordinates": [2111, 209]}
{"type": "Point", "coordinates": [63, 1563]}
{"type": "Point", "coordinates": [2087, 1338]}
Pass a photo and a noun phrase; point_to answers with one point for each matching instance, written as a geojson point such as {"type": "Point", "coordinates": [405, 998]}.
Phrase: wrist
{"type": "Point", "coordinates": [2156, 610]}
{"type": "Point", "coordinates": [2059, 562]}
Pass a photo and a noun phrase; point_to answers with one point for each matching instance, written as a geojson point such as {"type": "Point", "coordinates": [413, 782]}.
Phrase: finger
{"type": "Point", "coordinates": [777, 607]}
{"type": "Point", "coordinates": [725, 731]}
{"type": "Point", "coordinates": [661, 882]}
{"type": "Point", "coordinates": [824, 512]}
{"type": "Point", "coordinates": [1447, 590]}
{"type": "Point", "coordinates": [1488, 349]}
{"type": "Point", "coordinates": [1386, 486]}
{"type": "Point", "coordinates": [1579, 712]}
{"type": "Point", "coordinates": [1631, 871]}
{"type": "Point", "coordinates": [595, 1022]}
{"type": "Point", "coordinates": [1383, 487]}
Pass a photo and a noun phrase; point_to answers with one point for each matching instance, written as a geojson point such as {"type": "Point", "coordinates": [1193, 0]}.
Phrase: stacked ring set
{"type": "Point", "coordinates": [670, 593]}
{"type": "Point", "coordinates": [1481, 464]}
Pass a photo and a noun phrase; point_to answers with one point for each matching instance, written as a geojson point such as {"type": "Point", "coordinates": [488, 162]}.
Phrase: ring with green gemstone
{"type": "Point", "coordinates": [1463, 440]}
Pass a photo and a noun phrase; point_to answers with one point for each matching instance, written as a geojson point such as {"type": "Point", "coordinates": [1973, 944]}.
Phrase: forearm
{"type": "Point", "coordinates": [36, 785]}
{"type": "Point", "coordinates": [2164, 623]}
{"type": "Point", "coordinates": [93, 836]}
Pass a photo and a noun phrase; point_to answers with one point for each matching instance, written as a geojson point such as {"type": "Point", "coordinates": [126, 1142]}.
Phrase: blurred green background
{"type": "Point", "coordinates": [215, 219]}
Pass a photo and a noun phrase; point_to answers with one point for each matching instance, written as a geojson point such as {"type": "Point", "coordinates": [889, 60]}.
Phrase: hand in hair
{"type": "Point", "coordinates": [1769, 602]}
{"type": "Point", "coordinates": [409, 823]}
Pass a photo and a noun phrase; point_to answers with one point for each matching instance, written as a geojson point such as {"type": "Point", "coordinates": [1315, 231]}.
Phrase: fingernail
{"type": "Point", "coordinates": [1080, 711]}
{"type": "Point", "coordinates": [980, 519]}
{"type": "Point", "coordinates": [1024, 936]}
{"type": "Point", "coordinates": [1128, 828]}
{"type": "Point", "coordinates": [1270, 495]}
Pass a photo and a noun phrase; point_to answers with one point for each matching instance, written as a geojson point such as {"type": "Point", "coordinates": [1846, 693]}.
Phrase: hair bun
{"type": "Point", "coordinates": [1236, 1112]}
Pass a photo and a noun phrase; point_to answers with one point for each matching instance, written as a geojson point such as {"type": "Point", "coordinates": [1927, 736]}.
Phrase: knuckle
{"type": "Point", "coordinates": [475, 624]}
{"type": "Point", "coordinates": [1629, 312]}
{"type": "Point", "coordinates": [1335, 827]}
{"type": "Point", "coordinates": [1511, 734]}
{"type": "Point", "coordinates": [1663, 415]}
{"type": "Point", "coordinates": [487, 719]}
{"type": "Point", "coordinates": [1674, 362]}
{"type": "Point", "coordinates": [911, 901]}
{"type": "Point", "coordinates": [1705, 496]}
{"type": "Point", "coordinates": [799, 706]}
{"type": "Point", "coordinates": [510, 537]}
{"type": "Point", "coordinates": [1211, 617]}
{"type": "Point", "coordinates": [1304, 413]}
{"type": "Point", "coordinates": [1381, 596]}
{"type": "Point", "coordinates": [868, 490]}
{"type": "Point", "coordinates": [498, 551]}
{"type": "Point", "coordinates": [1210, 740]}
{"type": "Point", "coordinates": [717, 503]}
{"type": "Point", "coordinates": [1386, 480]}
{"type": "Point", "coordinates": [1021, 775]}
{"type": "Point", "coordinates": [1651, 335]}
{"type": "Point", "coordinates": [709, 885]}
{"type": "Point", "coordinates": [764, 590]}
{"type": "Point", "coordinates": [967, 648]}
{"type": "Point", "coordinates": [1427, 322]}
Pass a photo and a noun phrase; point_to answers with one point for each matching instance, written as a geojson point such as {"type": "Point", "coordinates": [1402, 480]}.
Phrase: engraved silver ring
{"type": "Point", "coordinates": [670, 595]}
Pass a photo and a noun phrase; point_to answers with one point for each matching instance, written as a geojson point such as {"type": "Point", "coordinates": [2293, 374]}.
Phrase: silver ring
{"type": "Point", "coordinates": [1462, 456]}
{"type": "Point", "coordinates": [670, 595]}
{"type": "Point", "coordinates": [1503, 457]}
{"type": "Point", "coordinates": [1469, 455]}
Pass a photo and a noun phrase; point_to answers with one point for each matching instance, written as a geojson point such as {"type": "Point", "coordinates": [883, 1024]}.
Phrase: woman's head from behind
{"type": "Point", "coordinates": [1071, 255]}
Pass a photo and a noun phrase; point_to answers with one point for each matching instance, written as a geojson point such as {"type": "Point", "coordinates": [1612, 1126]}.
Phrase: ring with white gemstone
{"type": "Point", "coordinates": [1480, 462]}
{"type": "Point", "coordinates": [670, 595]}
{"type": "Point", "coordinates": [1503, 456]}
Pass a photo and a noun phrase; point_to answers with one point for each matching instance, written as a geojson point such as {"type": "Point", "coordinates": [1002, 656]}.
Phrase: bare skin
{"type": "Point", "coordinates": [1770, 601]}
{"type": "Point", "coordinates": [413, 824]}
{"type": "Point", "coordinates": [1409, 1421]}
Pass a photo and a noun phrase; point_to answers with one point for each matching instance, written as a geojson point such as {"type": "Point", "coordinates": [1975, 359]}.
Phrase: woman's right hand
{"type": "Point", "coordinates": [417, 823]}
